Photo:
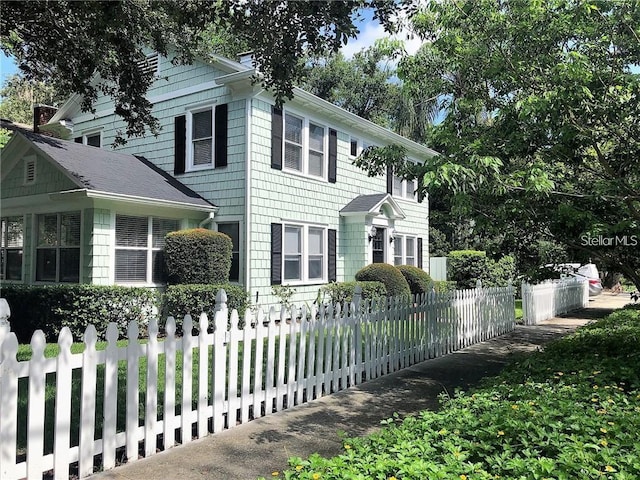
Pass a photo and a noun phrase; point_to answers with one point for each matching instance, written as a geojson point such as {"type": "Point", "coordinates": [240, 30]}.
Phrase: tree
{"type": "Point", "coordinates": [542, 125]}
{"type": "Point", "coordinates": [93, 47]}
{"type": "Point", "coordinates": [19, 95]}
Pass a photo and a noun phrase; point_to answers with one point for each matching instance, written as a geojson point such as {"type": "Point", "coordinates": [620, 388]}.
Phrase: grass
{"type": "Point", "coordinates": [572, 411]}
{"type": "Point", "coordinates": [519, 309]}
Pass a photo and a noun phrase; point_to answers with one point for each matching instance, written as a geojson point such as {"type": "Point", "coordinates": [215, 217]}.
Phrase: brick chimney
{"type": "Point", "coordinates": [41, 115]}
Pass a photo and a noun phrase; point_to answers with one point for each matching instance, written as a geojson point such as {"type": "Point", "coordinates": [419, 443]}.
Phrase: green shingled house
{"type": "Point", "coordinates": [279, 181]}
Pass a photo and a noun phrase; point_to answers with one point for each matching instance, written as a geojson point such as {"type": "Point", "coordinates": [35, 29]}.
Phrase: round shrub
{"type": "Point", "coordinates": [419, 281]}
{"type": "Point", "coordinates": [197, 256]}
{"type": "Point", "coordinates": [389, 275]}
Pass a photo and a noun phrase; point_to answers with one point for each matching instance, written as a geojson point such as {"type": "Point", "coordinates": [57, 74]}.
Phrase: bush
{"type": "Point", "coordinates": [343, 291]}
{"type": "Point", "coordinates": [51, 307]}
{"type": "Point", "coordinates": [180, 300]}
{"type": "Point", "coordinates": [466, 267]}
{"type": "Point", "coordinates": [197, 256]}
{"type": "Point", "coordinates": [419, 281]}
{"type": "Point", "coordinates": [389, 275]}
{"type": "Point", "coordinates": [443, 286]}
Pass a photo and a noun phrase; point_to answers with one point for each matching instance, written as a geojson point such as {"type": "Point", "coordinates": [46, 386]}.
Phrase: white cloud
{"type": "Point", "coordinates": [372, 31]}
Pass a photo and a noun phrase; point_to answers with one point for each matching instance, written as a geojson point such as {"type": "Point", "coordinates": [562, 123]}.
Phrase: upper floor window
{"type": "Point", "coordinates": [11, 244]}
{"type": "Point", "coordinates": [202, 139]}
{"type": "Point", "coordinates": [304, 146]}
{"type": "Point", "coordinates": [139, 248]}
{"type": "Point", "coordinates": [404, 188]}
{"type": "Point", "coordinates": [91, 139]}
{"type": "Point", "coordinates": [58, 247]}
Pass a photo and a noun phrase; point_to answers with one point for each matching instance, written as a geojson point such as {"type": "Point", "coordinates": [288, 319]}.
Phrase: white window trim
{"type": "Point", "coordinates": [408, 190]}
{"type": "Point", "coordinates": [57, 247]}
{"type": "Point", "coordinates": [306, 120]}
{"type": "Point", "coordinates": [402, 238]}
{"type": "Point", "coordinates": [92, 133]}
{"type": "Point", "coordinates": [4, 247]}
{"type": "Point", "coordinates": [190, 167]}
{"type": "Point", "coordinates": [305, 280]}
{"type": "Point", "coordinates": [150, 249]}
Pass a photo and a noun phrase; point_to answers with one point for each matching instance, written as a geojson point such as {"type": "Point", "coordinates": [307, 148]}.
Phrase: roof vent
{"type": "Point", "coordinates": [246, 59]}
{"type": "Point", "coordinates": [29, 171]}
{"type": "Point", "coordinates": [149, 64]}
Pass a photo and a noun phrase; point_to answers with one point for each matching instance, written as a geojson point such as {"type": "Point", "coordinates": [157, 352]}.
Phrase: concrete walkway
{"type": "Point", "coordinates": [264, 445]}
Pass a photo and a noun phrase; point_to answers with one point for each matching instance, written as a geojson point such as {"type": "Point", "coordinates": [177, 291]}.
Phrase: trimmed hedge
{"type": "Point", "coordinates": [443, 286]}
{"type": "Point", "coordinates": [419, 281]}
{"type": "Point", "coordinates": [51, 307]}
{"type": "Point", "coordinates": [197, 256]}
{"type": "Point", "coordinates": [343, 291]}
{"type": "Point", "coordinates": [389, 275]}
{"type": "Point", "coordinates": [179, 300]}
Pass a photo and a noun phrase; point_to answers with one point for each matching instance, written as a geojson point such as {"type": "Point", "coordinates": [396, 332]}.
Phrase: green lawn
{"type": "Point", "coordinates": [569, 412]}
{"type": "Point", "coordinates": [518, 309]}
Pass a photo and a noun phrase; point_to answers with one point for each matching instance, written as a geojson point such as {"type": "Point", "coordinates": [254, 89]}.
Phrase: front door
{"type": "Point", "coordinates": [379, 255]}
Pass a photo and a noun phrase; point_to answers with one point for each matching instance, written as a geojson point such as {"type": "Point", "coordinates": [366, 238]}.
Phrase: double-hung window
{"type": "Point", "coordinates": [404, 188]}
{"type": "Point", "coordinates": [405, 250]}
{"type": "Point", "coordinates": [139, 248]}
{"type": "Point", "coordinates": [11, 244]}
{"type": "Point", "coordinates": [304, 253]}
{"type": "Point", "coordinates": [58, 247]}
{"type": "Point", "coordinates": [91, 139]}
{"type": "Point", "coordinates": [304, 146]}
{"type": "Point", "coordinates": [201, 139]}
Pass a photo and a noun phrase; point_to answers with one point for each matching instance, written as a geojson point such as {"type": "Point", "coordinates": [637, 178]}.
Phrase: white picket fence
{"type": "Point", "coordinates": [552, 298]}
{"type": "Point", "coordinates": [97, 415]}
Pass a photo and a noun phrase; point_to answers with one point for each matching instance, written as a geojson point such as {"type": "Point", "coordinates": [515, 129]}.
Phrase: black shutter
{"type": "Point", "coordinates": [78, 139]}
{"type": "Point", "coordinates": [389, 180]}
{"type": "Point", "coordinates": [419, 252]}
{"type": "Point", "coordinates": [221, 129]}
{"type": "Point", "coordinates": [276, 138]}
{"type": "Point", "coordinates": [276, 254]}
{"type": "Point", "coordinates": [420, 194]}
{"type": "Point", "coordinates": [333, 155]}
{"type": "Point", "coordinates": [180, 144]}
{"type": "Point", "coordinates": [331, 259]}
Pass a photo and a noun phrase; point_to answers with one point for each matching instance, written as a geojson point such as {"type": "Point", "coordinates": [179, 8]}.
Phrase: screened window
{"type": "Point", "coordinates": [58, 248]}
{"type": "Point", "coordinates": [410, 244]}
{"type": "Point", "coordinates": [233, 231]}
{"type": "Point", "coordinates": [11, 244]}
{"type": "Point", "coordinates": [304, 253]}
{"type": "Point", "coordinates": [202, 138]}
{"type": "Point", "coordinates": [93, 140]}
{"type": "Point", "coordinates": [304, 146]}
{"type": "Point", "coordinates": [139, 248]}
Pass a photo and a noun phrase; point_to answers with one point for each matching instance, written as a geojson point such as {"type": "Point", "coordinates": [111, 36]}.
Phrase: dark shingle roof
{"type": "Point", "coordinates": [110, 172]}
{"type": "Point", "coordinates": [363, 203]}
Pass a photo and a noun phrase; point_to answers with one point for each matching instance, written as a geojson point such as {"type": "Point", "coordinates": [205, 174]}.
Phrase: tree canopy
{"type": "Point", "coordinates": [542, 124]}
{"type": "Point", "coordinates": [96, 47]}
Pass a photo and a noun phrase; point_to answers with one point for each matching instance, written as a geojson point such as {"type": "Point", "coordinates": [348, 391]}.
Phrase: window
{"type": "Point", "coordinates": [233, 231]}
{"type": "Point", "coordinates": [379, 253]}
{"type": "Point", "coordinates": [304, 253]}
{"type": "Point", "coordinates": [304, 146]}
{"type": "Point", "coordinates": [404, 188]}
{"type": "Point", "coordinates": [405, 250]}
{"type": "Point", "coordinates": [92, 139]}
{"type": "Point", "coordinates": [354, 147]}
{"type": "Point", "coordinates": [11, 243]}
{"type": "Point", "coordinates": [139, 244]}
{"type": "Point", "coordinates": [58, 248]}
{"type": "Point", "coordinates": [202, 139]}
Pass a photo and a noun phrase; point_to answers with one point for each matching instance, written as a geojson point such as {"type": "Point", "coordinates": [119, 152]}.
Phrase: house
{"type": "Point", "coordinates": [279, 181]}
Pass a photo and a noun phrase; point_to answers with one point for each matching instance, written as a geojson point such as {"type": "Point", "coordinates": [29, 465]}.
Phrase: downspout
{"type": "Point", "coordinates": [208, 220]}
{"type": "Point", "coordinates": [247, 200]}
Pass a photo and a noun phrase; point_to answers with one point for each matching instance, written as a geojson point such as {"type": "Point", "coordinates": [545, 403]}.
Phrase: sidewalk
{"type": "Point", "coordinates": [264, 445]}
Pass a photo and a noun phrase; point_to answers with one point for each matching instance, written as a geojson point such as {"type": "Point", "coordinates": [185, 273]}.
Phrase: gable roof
{"type": "Point", "coordinates": [107, 174]}
{"type": "Point", "coordinates": [370, 205]}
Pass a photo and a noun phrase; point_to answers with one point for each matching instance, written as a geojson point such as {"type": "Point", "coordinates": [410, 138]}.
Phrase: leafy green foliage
{"type": "Point", "coordinates": [19, 95]}
{"type": "Point", "coordinates": [466, 267]}
{"type": "Point", "coordinates": [541, 120]}
{"type": "Point", "coordinates": [180, 300]}
{"type": "Point", "coordinates": [93, 47]}
{"type": "Point", "coordinates": [443, 286]}
{"type": "Point", "coordinates": [419, 281]}
{"type": "Point", "coordinates": [568, 412]}
{"type": "Point", "coordinates": [51, 307]}
{"type": "Point", "coordinates": [389, 275]}
{"type": "Point", "coordinates": [340, 292]}
{"type": "Point", "coordinates": [197, 256]}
